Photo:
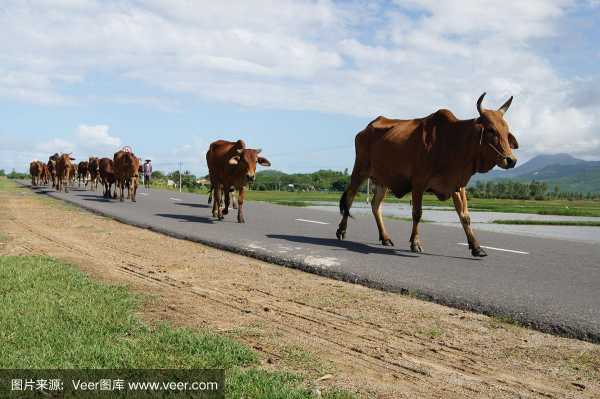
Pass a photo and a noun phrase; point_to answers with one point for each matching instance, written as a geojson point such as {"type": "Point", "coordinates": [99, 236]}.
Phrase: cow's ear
{"type": "Point", "coordinates": [264, 161]}
{"type": "Point", "coordinates": [514, 144]}
{"type": "Point", "coordinates": [234, 160]}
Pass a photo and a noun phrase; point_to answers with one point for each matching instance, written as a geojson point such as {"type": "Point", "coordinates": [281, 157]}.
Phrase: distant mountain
{"type": "Point", "coordinates": [534, 164]}
{"type": "Point", "coordinates": [570, 173]}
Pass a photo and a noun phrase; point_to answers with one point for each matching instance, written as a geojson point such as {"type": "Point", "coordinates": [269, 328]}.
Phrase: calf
{"type": "Point", "coordinates": [45, 174]}
{"type": "Point", "coordinates": [35, 170]}
{"type": "Point", "coordinates": [52, 168]}
{"type": "Point", "coordinates": [82, 173]}
{"type": "Point", "coordinates": [94, 170]}
{"type": "Point", "coordinates": [107, 176]}
{"type": "Point", "coordinates": [231, 165]}
{"type": "Point", "coordinates": [126, 166]}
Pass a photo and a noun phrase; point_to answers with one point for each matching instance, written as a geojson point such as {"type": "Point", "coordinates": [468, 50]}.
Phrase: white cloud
{"type": "Point", "coordinates": [360, 58]}
{"type": "Point", "coordinates": [97, 137]}
{"type": "Point", "coordinates": [86, 141]}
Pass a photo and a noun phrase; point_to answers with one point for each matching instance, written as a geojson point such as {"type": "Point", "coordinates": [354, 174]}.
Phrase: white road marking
{"type": "Point", "coordinates": [499, 249]}
{"type": "Point", "coordinates": [175, 199]}
{"type": "Point", "coordinates": [143, 193]}
{"type": "Point", "coordinates": [311, 221]}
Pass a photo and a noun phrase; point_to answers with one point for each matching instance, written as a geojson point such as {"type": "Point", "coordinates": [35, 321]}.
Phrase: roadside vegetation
{"type": "Point", "coordinates": [589, 223]}
{"type": "Point", "coordinates": [56, 317]}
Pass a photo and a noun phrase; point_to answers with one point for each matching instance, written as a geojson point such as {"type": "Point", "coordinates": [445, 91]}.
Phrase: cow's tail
{"type": "Point", "coordinates": [344, 210]}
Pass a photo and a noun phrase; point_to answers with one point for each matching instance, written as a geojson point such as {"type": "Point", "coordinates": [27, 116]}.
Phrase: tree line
{"type": "Point", "coordinates": [337, 181]}
{"type": "Point", "coordinates": [534, 190]}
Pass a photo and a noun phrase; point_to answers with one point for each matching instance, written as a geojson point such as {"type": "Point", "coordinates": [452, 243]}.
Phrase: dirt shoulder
{"type": "Point", "coordinates": [376, 343]}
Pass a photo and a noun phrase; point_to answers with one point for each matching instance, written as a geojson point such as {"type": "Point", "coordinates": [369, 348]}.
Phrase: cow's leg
{"type": "Point", "coordinates": [217, 203]}
{"type": "Point", "coordinates": [121, 190]}
{"type": "Point", "coordinates": [134, 182]}
{"type": "Point", "coordinates": [210, 194]}
{"type": "Point", "coordinates": [234, 202]}
{"type": "Point", "coordinates": [227, 200]}
{"type": "Point", "coordinates": [460, 204]}
{"type": "Point", "coordinates": [346, 203]}
{"type": "Point", "coordinates": [376, 203]}
{"type": "Point", "coordinates": [417, 211]}
{"type": "Point", "coordinates": [241, 218]}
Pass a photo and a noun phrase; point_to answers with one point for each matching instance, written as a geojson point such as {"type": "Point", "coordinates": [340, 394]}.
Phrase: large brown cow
{"type": "Point", "coordinates": [36, 169]}
{"type": "Point", "coordinates": [126, 166]}
{"type": "Point", "coordinates": [64, 172]}
{"type": "Point", "coordinates": [82, 173]}
{"type": "Point", "coordinates": [231, 165]}
{"type": "Point", "coordinates": [94, 170]}
{"type": "Point", "coordinates": [437, 154]}
{"type": "Point", "coordinates": [107, 176]}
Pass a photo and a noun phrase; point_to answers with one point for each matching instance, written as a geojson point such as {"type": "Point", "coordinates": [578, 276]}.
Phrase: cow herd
{"type": "Point", "coordinates": [123, 170]}
{"type": "Point", "coordinates": [437, 154]}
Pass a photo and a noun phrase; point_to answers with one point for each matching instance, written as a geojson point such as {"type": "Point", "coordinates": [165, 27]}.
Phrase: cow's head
{"type": "Point", "coordinates": [246, 160]}
{"type": "Point", "coordinates": [495, 135]}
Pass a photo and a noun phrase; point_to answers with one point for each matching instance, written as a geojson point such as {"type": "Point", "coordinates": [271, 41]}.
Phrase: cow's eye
{"type": "Point", "coordinates": [495, 140]}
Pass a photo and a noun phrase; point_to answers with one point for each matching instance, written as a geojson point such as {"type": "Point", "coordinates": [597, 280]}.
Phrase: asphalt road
{"type": "Point", "coordinates": [548, 284]}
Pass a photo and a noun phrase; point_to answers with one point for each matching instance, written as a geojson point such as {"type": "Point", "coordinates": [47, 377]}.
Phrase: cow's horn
{"type": "Point", "coordinates": [479, 103]}
{"type": "Point", "coordinates": [258, 150]}
{"type": "Point", "coordinates": [505, 106]}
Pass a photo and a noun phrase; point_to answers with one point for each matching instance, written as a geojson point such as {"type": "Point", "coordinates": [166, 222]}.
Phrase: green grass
{"type": "Point", "coordinates": [550, 222]}
{"type": "Point", "coordinates": [545, 207]}
{"type": "Point", "coordinates": [54, 316]}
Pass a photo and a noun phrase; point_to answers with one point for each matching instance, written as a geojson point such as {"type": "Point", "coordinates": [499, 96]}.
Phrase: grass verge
{"type": "Point", "coordinates": [54, 316]}
{"type": "Point", "coordinates": [550, 222]}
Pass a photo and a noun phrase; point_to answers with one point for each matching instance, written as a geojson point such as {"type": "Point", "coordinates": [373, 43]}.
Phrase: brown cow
{"type": "Point", "coordinates": [45, 174]}
{"type": "Point", "coordinates": [126, 166]}
{"type": "Point", "coordinates": [107, 176]}
{"type": "Point", "coordinates": [36, 169]}
{"type": "Point", "coordinates": [64, 171]}
{"type": "Point", "coordinates": [82, 173]}
{"type": "Point", "coordinates": [231, 165]}
{"type": "Point", "coordinates": [437, 154]}
{"type": "Point", "coordinates": [72, 173]}
{"type": "Point", "coordinates": [94, 170]}
{"type": "Point", "coordinates": [52, 168]}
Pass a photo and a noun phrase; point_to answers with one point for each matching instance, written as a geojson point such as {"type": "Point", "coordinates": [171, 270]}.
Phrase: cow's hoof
{"type": "Point", "coordinates": [387, 243]}
{"type": "Point", "coordinates": [220, 217]}
{"type": "Point", "coordinates": [241, 221]}
{"type": "Point", "coordinates": [416, 247]}
{"type": "Point", "coordinates": [340, 234]}
{"type": "Point", "coordinates": [478, 252]}
{"type": "Point", "coordinates": [225, 211]}
{"type": "Point", "coordinates": [133, 200]}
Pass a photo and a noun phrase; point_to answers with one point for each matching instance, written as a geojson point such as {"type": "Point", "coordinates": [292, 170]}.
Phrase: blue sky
{"type": "Point", "coordinates": [296, 78]}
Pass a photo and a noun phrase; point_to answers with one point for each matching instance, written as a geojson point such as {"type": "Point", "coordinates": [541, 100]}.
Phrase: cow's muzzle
{"type": "Point", "coordinates": [508, 162]}
{"type": "Point", "coordinates": [250, 178]}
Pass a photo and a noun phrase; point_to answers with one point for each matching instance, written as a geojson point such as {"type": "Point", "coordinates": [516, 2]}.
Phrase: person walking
{"type": "Point", "coordinates": [147, 173]}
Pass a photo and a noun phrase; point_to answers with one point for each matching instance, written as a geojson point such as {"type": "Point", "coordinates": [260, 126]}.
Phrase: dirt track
{"type": "Point", "coordinates": [373, 342]}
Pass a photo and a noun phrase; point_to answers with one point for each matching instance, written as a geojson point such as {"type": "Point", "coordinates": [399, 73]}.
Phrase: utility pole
{"type": "Point", "coordinates": [179, 176]}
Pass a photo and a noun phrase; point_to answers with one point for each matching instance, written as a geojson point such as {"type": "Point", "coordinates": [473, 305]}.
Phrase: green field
{"type": "Point", "coordinates": [539, 207]}
{"type": "Point", "coordinates": [54, 316]}
{"type": "Point", "coordinates": [550, 222]}
{"type": "Point", "coordinates": [546, 207]}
